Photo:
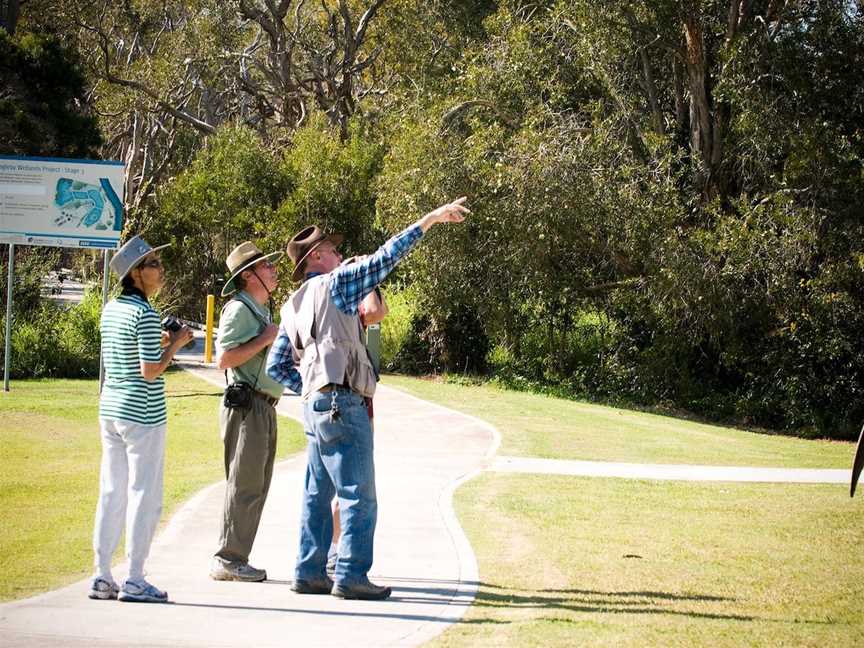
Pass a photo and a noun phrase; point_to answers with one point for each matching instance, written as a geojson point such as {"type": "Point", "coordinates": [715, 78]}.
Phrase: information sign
{"type": "Point", "coordinates": [61, 202]}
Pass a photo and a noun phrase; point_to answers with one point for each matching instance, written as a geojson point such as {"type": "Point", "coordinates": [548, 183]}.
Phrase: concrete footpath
{"type": "Point", "coordinates": [422, 451]}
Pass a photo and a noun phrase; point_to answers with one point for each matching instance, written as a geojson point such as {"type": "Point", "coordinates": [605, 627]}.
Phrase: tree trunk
{"type": "Point", "coordinates": [739, 14]}
{"type": "Point", "coordinates": [701, 131]}
{"type": "Point", "coordinates": [681, 120]}
{"type": "Point", "coordinates": [697, 72]}
{"type": "Point", "coordinates": [651, 89]}
{"type": "Point", "coordinates": [9, 16]}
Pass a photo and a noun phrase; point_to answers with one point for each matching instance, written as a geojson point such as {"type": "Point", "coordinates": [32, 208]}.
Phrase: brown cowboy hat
{"type": "Point", "coordinates": [243, 257]}
{"type": "Point", "coordinates": [304, 242]}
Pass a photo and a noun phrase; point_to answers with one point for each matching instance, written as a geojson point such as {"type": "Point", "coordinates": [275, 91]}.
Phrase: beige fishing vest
{"type": "Point", "coordinates": [328, 342]}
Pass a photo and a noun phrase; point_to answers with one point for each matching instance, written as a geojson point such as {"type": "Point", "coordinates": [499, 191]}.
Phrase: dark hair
{"type": "Point", "coordinates": [240, 282]}
{"type": "Point", "coordinates": [127, 282]}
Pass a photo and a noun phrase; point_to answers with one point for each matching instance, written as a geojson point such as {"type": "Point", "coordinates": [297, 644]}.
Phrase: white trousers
{"type": "Point", "coordinates": [133, 457]}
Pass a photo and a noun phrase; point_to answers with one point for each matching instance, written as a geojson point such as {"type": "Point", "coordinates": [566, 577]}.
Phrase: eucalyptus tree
{"type": "Point", "coordinates": [686, 176]}
{"type": "Point", "coordinates": [167, 75]}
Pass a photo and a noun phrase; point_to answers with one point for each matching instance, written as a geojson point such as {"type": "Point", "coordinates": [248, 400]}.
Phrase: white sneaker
{"type": "Point", "coordinates": [142, 592]}
{"type": "Point", "coordinates": [103, 590]}
{"type": "Point", "coordinates": [236, 571]}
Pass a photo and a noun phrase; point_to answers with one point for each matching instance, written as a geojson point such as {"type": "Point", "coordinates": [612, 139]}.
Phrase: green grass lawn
{"type": "Point", "coordinates": [533, 425]}
{"type": "Point", "coordinates": [50, 453]}
{"type": "Point", "coordinates": [568, 561]}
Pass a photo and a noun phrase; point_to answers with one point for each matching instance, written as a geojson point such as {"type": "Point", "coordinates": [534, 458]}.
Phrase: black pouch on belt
{"type": "Point", "coordinates": [237, 396]}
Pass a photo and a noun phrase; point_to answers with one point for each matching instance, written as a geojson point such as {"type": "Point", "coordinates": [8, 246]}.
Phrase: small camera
{"type": "Point", "coordinates": [171, 324]}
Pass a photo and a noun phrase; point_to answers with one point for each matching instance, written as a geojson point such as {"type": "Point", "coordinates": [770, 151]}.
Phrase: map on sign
{"type": "Point", "coordinates": [61, 202]}
{"type": "Point", "coordinates": [80, 204]}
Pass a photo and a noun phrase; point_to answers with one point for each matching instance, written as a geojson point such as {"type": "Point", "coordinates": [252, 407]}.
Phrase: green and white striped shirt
{"type": "Point", "coordinates": [131, 332]}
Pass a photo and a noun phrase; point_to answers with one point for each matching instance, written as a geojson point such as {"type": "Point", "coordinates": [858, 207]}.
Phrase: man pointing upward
{"type": "Point", "coordinates": [319, 353]}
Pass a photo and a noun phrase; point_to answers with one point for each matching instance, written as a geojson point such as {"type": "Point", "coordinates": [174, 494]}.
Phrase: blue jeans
{"type": "Point", "coordinates": [340, 462]}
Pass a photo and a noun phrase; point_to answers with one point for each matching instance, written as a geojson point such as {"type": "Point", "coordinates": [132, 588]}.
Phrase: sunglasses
{"type": "Point", "coordinates": [152, 263]}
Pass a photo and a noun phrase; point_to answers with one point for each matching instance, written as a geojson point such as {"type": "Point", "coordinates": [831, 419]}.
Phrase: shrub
{"type": "Point", "coordinates": [31, 265]}
{"type": "Point", "coordinates": [57, 342]}
{"type": "Point", "coordinates": [396, 327]}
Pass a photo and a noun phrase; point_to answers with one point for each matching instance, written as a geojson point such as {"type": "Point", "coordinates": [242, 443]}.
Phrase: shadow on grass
{"type": "Point", "coordinates": [439, 592]}
{"type": "Point", "coordinates": [595, 601]}
{"type": "Point", "coordinates": [651, 595]}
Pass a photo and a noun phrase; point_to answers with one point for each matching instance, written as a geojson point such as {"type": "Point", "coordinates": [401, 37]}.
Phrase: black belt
{"type": "Point", "coordinates": [265, 397]}
{"type": "Point", "coordinates": [334, 387]}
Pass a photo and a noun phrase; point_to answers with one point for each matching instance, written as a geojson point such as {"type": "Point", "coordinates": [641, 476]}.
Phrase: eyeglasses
{"type": "Point", "coordinates": [152, 263]}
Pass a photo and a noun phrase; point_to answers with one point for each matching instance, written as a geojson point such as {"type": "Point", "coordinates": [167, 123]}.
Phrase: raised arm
{"type": "Point", "coordinates": [352, 282]}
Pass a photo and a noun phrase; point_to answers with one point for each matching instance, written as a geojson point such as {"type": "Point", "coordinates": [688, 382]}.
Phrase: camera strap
{"type": "Point", "coordinates": [264, 323]}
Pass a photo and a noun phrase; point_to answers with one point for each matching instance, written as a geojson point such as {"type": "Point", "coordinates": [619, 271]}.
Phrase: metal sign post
{"type": "Point", "coordinates": [7, 356]}
{"type": "Point", "coordinates": [106, 258]}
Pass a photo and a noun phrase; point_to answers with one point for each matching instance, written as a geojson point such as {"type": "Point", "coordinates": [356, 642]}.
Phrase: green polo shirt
{"type": "Point", "coordinates": [237, 325]}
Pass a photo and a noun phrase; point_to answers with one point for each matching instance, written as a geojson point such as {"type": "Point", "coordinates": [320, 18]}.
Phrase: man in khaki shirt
{"type": "Point", "coordinates": [248, 429]}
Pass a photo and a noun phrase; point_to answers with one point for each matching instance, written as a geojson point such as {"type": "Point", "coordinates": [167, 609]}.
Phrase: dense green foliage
{"type": "Point", "coordinates": [666, 195]}
{"type": "Point", "coordinates": [41, 105]}
{"type": "Point", "coordinates": [237, 189]}
{"type": "Point", "coordinates": [30, 267]}
{"type": "Point", "coordinates": [601, 259]}
{"type": "Point", "coordinates": [229, 193]}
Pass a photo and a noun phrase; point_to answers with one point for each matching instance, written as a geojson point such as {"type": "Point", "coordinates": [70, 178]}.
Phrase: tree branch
{"type": "Point", "coordinates": [460, 109]}
{"type": "Point", "coordinates": [110, 77]}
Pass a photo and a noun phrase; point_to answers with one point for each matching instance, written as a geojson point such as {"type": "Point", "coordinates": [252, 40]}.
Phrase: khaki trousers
{"type": "Point", "coordinates": [249, 436]}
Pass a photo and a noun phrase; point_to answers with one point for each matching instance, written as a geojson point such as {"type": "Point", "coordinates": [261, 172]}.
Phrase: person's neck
{"type": "Point", "coordinates": [135, 290]}
{"type": "Point", "coordinates": [258, 294]}
{"type": "Point", "coordinates": [317, 269]}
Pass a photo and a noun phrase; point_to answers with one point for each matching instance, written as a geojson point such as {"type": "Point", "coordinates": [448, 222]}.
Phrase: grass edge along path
{"type": "Point", "coordinates": [50, 452]}
{"type": "Point", "coordinates": [591, 561]}
{"type": "Point", "coordinates": [567, 561]}
{"type": "Point", "coordinates": [535, 425]}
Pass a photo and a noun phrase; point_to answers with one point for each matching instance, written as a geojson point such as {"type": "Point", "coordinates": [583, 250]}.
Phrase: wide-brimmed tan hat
{"type": "Point", "coordinates": [128, 256]}
{"type": "Point", "coordinates": [243, 257]}
{"type": "Point", "coordinates": [304, 242]}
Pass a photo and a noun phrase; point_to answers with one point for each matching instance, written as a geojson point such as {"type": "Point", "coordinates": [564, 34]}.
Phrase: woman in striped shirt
{"type": "Point", "coordinates": [132, 422]}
